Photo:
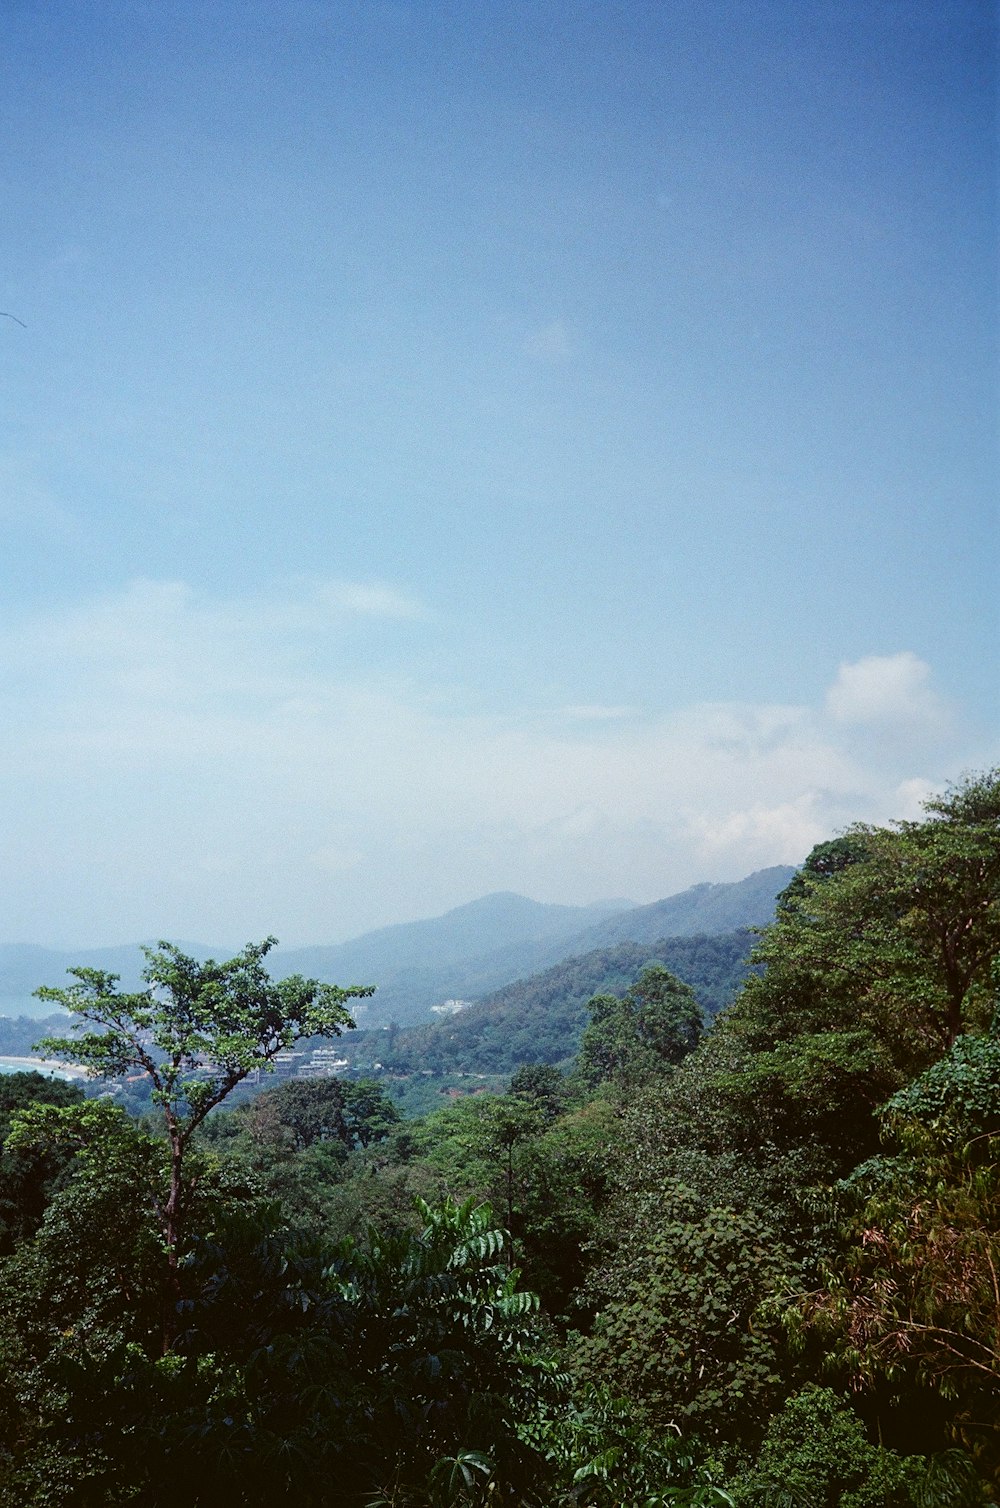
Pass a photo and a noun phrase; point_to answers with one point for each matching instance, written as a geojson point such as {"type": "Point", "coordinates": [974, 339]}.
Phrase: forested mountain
{"type": "Point", "coordinates": [465, 954]}
{"type": "Point", "coordinates": [484, 926]}
{"type": "Point", "coordinates": [540, 1019]}
{"type": "Point", "coordinates": [406, 993]}
{"type": "Point", "coordinates": [703, 910]}
{"type": "Point", "coordinates": [461, 955]}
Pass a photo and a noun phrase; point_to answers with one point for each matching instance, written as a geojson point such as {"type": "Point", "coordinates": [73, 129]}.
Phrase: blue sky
{"type": "Point", "coordinates": [544, 447]}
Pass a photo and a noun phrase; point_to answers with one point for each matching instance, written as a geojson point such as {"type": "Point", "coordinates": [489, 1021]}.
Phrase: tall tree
{"type": "Point", "coordinates": [914, 1298]}
{"type": "Point", "coordinates": [634, 1038]}
{"type": "Point", "coordinates": [196, 1032]}
{"type": "Point", "coordinates": [892, 930]}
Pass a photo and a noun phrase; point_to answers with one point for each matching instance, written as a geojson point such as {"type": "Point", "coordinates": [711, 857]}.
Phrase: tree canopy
{"type": "Point", "coordinates": [759, 1254]}
{"type": "Point", "coordinates": [196, 1032]}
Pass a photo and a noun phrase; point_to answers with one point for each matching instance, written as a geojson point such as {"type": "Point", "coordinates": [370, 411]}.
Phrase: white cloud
{"type": "Point", "coordinates": [370, 600]}
{"type": "Point", "coordinates": [159, 637]}
{"type": "Point", "coordinates": [222, 769]}
{"type": "Point", "coordinates": [911, 797]}
{"type": "Point", "coordinates": [781, 833]}
{"type": "Point", "coordinates": [886, 689]}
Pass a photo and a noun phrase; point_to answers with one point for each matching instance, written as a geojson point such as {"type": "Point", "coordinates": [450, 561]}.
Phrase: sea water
{"type": "Point", "coordinates": [35, 1065]}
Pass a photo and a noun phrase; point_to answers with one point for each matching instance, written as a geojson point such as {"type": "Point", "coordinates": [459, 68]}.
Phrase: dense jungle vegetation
{"type": "Point", "coordinates": [751, 1260]}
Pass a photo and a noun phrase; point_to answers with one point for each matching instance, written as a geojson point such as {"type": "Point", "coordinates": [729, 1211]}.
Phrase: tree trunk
{"type": "Point", "coordinates": [171, 1231]}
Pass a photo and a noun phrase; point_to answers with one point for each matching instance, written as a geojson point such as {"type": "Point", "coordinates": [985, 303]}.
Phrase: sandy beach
{"type": "Point", "coordinates": [45, 1065]}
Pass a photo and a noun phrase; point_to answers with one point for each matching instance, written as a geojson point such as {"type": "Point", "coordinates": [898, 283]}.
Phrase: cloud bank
{"type": "Point", "coordinates": [218, 769]}
{"type": "Point", "coordinates": [887, 690]}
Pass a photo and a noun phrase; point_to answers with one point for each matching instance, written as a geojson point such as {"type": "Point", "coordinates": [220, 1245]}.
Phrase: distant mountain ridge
{"type": "Point", "coordinates": [26, 966]}
{"type": "Point", "coordinates": [496, 922]}
{"type": "Point", "coordinates": [407, 992]}
{"type": "Point", "coordinates": [490, 924]}
{"type": "Point", "coordinates": [539, 1019]}
{"type": "Point", "coordinates": [703, 910]}
{"type": "Point", "coordinates": [466, 953]}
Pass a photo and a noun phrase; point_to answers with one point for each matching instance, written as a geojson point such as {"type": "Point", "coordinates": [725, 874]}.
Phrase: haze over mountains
{"type": "Point", "coordinates": [466, 953]}
{"type": "Point", "coordinates": [539, 1019]}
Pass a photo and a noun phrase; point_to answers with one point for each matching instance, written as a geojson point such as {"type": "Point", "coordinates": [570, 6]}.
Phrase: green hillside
{"type": "Point", "coordinates": [539, 1019]}
{"type": "Point", "coordinates": [466, 954]}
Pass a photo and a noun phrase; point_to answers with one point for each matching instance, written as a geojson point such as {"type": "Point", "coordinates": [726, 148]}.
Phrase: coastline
{"type": "Point", "coordinates": [45, 1065]}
